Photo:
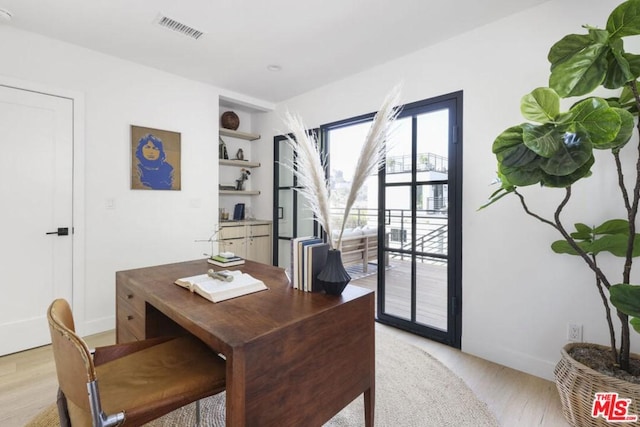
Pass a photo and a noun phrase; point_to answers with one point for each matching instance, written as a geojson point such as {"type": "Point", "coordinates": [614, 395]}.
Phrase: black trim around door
{"type": "Point", "coordinates": [452, 335]}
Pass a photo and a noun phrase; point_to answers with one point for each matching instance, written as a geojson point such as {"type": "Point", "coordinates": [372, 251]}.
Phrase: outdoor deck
{"type": "Point", "coordinates": [431, 291]}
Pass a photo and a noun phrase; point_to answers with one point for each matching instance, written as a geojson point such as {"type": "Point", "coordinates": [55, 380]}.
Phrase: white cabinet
{"type": "Point", "coordinates": [249, 239]}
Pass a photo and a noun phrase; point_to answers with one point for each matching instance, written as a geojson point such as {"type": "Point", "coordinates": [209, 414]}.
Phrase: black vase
{"type": "Point", "coordinates": [334, 278]}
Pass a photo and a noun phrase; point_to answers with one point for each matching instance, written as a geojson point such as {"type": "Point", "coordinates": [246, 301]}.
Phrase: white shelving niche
{"type": "Point", "coordinates": [254, 243]}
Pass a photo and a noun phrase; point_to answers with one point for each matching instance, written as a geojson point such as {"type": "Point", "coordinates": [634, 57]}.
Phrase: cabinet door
{"type": "Point", "coordinates": [237, 246]}
{"type": "Point", "coordinates": [259, 249]}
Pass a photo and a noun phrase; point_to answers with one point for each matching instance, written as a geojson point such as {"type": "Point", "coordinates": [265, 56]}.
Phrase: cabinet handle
{"type": "Point", "coordinates": [129, 296]}
{"type": "Point", "coordinates": [129, 317]}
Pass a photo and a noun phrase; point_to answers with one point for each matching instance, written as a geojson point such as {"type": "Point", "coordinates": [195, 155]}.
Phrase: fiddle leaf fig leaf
{"type": "Point", "coordinates": [618, 69]}
{"type": "Point", "coordinates": [634, 64]}
{"type": "Point", "coordinates": [613, 226]}
{"type": "Point", "coordinates": [542, 105]}
{"type": "Point", "coordinates": [635, 323]}
{"type": "Point", "coordinates": [625, 20]}
{"type": "Point", "coordinates": [582, 72]}
{"type": "Point", "coordinates": [615, 244]}
{"type": "Point", "coordinates": [563, 247]}
{"type": "Point", "coordinates": [510, 149]}
{"type": "Point", "coordinates": [554, 181]}
{"type": "Point", "coordinates": [574, 152]}
{"type": "Point", "coordinates": [594, 116]}
{"type": "Point", "coordinates": [544, 140]}
{"type": "Point", "coordinates": [521, 176]}
{"type": "Point", "coordinates": [583, 232]}
{"type": "Point", "coordinates": [627, 93]}
{"type": "Point", "coordinates": [497, 195]}
{"type": "Point", "coordinates": [517, 156]}
{"type": "Point", "coordinates": [627, 126]}
{"type": "Point", "coordinates": [626, 298]}
{"type": "Point", "coordinates": [507, 139]}
{"type": "Point", "coordinates": [567, 47]}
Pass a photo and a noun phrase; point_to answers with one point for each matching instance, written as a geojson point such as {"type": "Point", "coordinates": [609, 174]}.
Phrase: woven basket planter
{"type": "Point", "coordinates": [577, 385]}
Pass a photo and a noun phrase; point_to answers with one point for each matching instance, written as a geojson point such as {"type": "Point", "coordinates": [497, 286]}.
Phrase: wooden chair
{"type": "Point", "coordinates": [132, 383]}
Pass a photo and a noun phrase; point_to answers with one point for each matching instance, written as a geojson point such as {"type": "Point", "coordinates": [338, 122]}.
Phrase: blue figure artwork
{"type": "Point", "coordinates": [153, 169]}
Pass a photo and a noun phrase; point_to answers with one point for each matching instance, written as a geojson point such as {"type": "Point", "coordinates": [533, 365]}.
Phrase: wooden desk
{"type": "Point", "coordinates": [293, 358]}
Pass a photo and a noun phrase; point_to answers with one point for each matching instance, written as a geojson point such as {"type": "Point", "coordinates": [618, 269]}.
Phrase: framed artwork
{"type": "Point", "coordinates": [155, 159]}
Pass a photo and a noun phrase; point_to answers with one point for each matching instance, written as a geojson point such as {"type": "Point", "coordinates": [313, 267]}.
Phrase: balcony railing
{"type": "Point", "coordinates": [431, 229]}
{"type": "Point", "coordinates": [426, 162]}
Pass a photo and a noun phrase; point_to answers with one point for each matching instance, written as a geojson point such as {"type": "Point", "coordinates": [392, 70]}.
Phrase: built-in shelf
{"type": "Point", "coordinates": [239, 163]}
{"type": "Point", "coordinates": [238, 134]}
{"type": "Point", "coordinates": [236, 192]}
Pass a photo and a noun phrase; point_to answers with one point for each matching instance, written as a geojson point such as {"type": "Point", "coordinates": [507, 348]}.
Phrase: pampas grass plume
{"type": "Point", "coordinates": [308, 164]}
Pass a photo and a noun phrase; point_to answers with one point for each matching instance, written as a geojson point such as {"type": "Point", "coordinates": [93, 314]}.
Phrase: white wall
{"type": "Point", "coordinates": [517, 295]}
{"type": "Point", "coordinates": [145, 227]}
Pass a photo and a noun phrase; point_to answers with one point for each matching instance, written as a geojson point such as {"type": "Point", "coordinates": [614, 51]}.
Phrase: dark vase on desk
{"type": "Point", "coordinates": [333, 277]}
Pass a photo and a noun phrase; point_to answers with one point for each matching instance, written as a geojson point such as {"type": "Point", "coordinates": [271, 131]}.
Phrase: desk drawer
{"type": "Point", "coordinates": [260, 230]}
{"type": "Point", "coordinates": [125, 334]}
{"type": "Point", "coordinates": [130, 325]}
{"type": "Point", "coordinates": [233, 232]}
{"type": "Point", "coordinates": [130, 322]}
{"type": "Point", "coordinates": [129, 298]}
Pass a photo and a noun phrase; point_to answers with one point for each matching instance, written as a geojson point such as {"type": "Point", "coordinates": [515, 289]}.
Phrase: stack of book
{"type": "Point", "coordinates": [225, 259]}
{"type": "Point", "coordinates": [308, 258]}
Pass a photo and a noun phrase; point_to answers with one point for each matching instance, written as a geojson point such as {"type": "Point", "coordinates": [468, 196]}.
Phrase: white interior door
{"type": "Point", "coordinates": [36, 189]}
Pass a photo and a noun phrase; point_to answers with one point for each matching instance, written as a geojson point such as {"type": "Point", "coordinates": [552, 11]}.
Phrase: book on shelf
{"type": "Point", "coordinates": [217, 290]}
{"type": "Point", "coordinates": [222, 261]}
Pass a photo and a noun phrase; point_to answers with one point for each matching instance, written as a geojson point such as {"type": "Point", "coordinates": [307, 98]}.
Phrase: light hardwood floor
{"type": "Point", "coordinates": [28, 384]}
{"type": "Point", "coordinates": [516, 398]}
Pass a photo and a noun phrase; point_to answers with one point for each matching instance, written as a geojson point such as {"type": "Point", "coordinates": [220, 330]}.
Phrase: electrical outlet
{"type": "Point", "coordinates": [574, 332]}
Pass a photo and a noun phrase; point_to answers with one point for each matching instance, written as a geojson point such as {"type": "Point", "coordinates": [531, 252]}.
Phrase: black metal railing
{"type": "Point", "coordinates": [426, 162]}
{"type": "Point", "coordinates": [431, 227]}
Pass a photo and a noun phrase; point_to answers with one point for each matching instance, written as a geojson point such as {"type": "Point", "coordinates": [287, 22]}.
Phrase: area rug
{"type": "Point", "coordinates": [413, 389]}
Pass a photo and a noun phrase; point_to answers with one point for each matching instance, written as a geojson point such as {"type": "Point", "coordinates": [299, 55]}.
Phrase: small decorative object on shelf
{"type": "Point", "coordinates": [244, 175]}
{"type": "Point", "coordinates": [240, 154]}
{"type": "Point", "coordinates": [222, 149]}
{"type": "Point", "coordinates": [230, 120]}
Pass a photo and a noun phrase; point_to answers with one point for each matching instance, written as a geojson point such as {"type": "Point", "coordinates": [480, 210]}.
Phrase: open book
{"type": "Point", "coordinates": [219, 290]}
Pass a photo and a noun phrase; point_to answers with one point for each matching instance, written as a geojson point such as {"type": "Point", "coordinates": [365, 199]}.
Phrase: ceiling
{"type": "Point", "coordinates": [314, 42]}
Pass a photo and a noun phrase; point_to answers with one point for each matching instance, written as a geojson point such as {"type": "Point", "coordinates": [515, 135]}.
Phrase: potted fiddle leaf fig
{"type": "Point", "coordinates": [556, 149]}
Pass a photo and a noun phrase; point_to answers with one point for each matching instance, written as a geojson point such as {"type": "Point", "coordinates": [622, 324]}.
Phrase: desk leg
{"type": "Point", "coordinates": [236, 390]}
{"type": "Point", "coordinates": [369, 407]}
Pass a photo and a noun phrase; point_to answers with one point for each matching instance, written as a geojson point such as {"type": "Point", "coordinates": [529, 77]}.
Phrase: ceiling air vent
{"type": "Point", "coordinates": [178, 27]}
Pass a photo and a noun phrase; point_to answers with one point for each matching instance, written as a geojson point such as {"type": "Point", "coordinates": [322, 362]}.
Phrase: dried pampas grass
{"type": "Point", "coordinates": [308, 164]}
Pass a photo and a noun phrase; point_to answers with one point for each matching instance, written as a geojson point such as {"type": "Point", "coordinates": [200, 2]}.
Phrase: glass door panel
{"type": "Point", "coordinates": [291, 216]}
{"type": "Point", "coordinates": [398, 236]}
{"type": "Point", "coordinates": [399, 161]}
{"type": "Point", "coordinates": [431, 249]}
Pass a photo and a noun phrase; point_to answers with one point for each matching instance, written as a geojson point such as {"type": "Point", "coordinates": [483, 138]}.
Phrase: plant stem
{"type": "Point", "coordinates": [601, 279]}
{"type": "Point", "coordinates": [632, 213]}
{"type": "Point", "coordinates": [557, 224]}
{"type": "Point", "coordinates": [607, 309]}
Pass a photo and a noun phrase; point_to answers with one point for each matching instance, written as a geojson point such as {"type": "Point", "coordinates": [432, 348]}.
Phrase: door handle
{"type": "Point", "coordinates": [62, 231]}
